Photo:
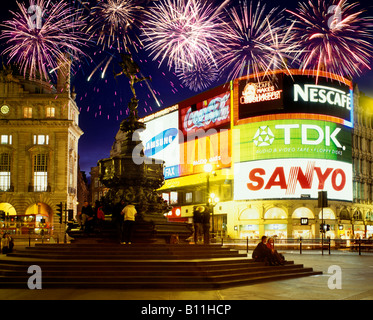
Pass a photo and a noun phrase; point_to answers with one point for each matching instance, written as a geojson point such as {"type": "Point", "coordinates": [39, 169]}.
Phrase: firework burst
{"type": "Point", "coordinates": [257, 41]}
{"type": "Point", "coordinates": [183, 32]}
{"type": "Point", "coordinates": [199, 76]}
{"type": "Point", "coordinates": [333, 36]}
{"type": "Point", "coordinates": [37, 43]}
{"type": "Point", "coordinates": [110, 23]}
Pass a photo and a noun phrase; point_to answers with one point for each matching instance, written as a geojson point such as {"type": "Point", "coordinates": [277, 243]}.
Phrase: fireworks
{"type": "Point", "coordinates": [38, 42]}
{"type": "Point", "coordinates": [110, 23]}
{"type": "Point", "coordinates": [183, 32]}
{"type": "Point", "coordinates": [333, 36]}
{"type": "Point", "coordinates": [199, 76]}
{"type": "Point", "coordinates": [257, 42]}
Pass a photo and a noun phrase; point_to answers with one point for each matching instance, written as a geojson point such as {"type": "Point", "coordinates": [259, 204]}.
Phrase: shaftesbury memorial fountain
{"type": "Point", "coordinates": [133, 177]}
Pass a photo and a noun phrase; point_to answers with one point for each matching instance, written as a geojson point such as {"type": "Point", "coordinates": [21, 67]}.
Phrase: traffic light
{"type": "Point", "coordinates": [59, 211]}
{"type": "Point", "coordinates": [324, 228]}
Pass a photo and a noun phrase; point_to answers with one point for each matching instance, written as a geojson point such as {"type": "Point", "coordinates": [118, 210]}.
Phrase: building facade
{"type": "Point", "coordinates": [260, 149]}
{"type": "Point", "coordinates": [39, 129]}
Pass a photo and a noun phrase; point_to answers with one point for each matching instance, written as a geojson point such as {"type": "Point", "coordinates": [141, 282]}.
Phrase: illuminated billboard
{"type": "Point", "coordinates": [206, 111]}
{"type": "Point", "coordinates": [161, 141]}
{"type": "Point", "coordinates": [205, 147]}
{"type": "Point", "coordinates": [282, 93]}
{"type": "Point", "coordinates": [292, 138]}
{"type": "Point", "coordinates": [289, 178]}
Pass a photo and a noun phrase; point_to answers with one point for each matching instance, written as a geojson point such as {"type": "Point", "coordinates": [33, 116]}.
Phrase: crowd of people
{"type": "Point", "coordinates": [91, 219]}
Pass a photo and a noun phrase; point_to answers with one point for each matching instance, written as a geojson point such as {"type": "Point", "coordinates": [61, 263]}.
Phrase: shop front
{"type": "Point", "coordinates": [250, 231]}
{"type": "Point", "coordinates": [276, 230]}
{"type": "Point", "coordinates": [359, 230]}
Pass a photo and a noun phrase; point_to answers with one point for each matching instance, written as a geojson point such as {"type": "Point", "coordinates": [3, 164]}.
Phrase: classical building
{"type": "Point", "coordinates": [39, 133]}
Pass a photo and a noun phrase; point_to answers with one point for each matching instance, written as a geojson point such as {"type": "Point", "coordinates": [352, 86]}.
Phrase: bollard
{"type": "Point", "coordinates": [300, 246]}
{"type": "Point", "coordinates": [329, 246]}
{"type": "Point", "coordinates": [359, 247]}
{"type": "Point", "coordinates": [247, 244]}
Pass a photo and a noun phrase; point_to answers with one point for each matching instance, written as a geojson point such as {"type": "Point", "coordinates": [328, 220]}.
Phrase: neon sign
{"type": "Point", "coordinates": [259, 91]}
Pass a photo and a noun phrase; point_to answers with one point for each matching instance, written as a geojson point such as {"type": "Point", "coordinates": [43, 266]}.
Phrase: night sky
{"type": "Point", "coordinates": [103, 102]}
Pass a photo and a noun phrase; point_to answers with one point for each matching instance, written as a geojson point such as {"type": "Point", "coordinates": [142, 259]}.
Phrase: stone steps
{"type": "Point", "coordinates": [140, 266]}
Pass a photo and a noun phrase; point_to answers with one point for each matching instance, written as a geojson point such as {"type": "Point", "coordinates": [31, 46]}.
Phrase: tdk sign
{"type": "Point", "coordinates": [322, 94]}
{"type": "Point", "coordinates": [160, 141]}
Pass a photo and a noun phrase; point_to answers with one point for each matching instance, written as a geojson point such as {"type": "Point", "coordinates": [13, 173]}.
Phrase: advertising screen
{"type": "Point", "coordinates": [213, 112]}
{"type": "Point", "coordinates": [214, 148]}
{"type": "Point", "coordinates": [281, 93]}
{"type": "Point", "coordinates": [289, 178]}
{"type": "Point", "coordinates": [161, 141]}
{"type": "Point", "coordinates": [292, 138]}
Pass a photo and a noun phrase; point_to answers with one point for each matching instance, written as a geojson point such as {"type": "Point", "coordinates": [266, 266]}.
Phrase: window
{"type": "Point", "coordinates": [40, 172]}
{"type": "Point", "coordinates": [41, 139]}
{"type": "Point", "coordinates": [4, 172]}
{"type": "Point", "coordinates": [189, 197]}
{"type": "Point", "coordinates": [6, 139]}
{"type": "Point", "coordinates": [27, 112]}
{"type": "Point", "coordinates": [173, 197]}
{"type": "Point", "coordinates": [50, 112]}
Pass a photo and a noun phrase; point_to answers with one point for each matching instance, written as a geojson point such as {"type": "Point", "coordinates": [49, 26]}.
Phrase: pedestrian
{"type": "Point", "coordinates": [205, 213]}
{"type": "Point", "coordinates": [5, 244]}
{"type": "Point", "coordinates": [129, 212]}
{"type": "Point", "coordinates": [100, 216]}
{"type": "Point", "coordinates": [87, 216]}
{"type": "Point", "coordinates": [197, 222]}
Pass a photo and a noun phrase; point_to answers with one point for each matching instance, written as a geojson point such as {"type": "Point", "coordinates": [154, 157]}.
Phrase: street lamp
{"type": "Point", "coordinates": [213, 201]}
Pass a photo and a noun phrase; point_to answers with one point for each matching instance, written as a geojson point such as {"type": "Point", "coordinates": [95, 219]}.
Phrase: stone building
{"type": "Point", "coordinates": [39, 133]}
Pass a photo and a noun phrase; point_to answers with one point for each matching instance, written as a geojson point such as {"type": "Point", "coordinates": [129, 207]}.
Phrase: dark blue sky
{"type": "Point", "coordinates": [103, 101]}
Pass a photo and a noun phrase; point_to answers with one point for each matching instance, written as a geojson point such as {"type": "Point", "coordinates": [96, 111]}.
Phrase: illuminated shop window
{"type": "Point", "coordinates": [249, 214]}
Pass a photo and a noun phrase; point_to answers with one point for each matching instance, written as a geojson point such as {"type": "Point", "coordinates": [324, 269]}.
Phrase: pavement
{"type": "Point", "coordinates": [346, 276]}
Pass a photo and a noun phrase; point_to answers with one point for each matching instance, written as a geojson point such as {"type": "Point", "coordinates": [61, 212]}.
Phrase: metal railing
{"type": "Point", "coordinates": [300, 245]}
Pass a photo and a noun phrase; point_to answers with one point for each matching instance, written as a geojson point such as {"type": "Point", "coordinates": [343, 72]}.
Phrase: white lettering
{"type": "Point", "coordinates": [322, 94]}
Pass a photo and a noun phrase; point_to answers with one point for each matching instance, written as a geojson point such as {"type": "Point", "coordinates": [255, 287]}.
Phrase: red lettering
{"type": "Point", "coordinates": [334, 179]}
{"type": "Point", "coordinates": [277, 174]}
{"type": "Point", "coordinates": [259, 180]}
{"type": "Point", "coordinates": [322, 176]}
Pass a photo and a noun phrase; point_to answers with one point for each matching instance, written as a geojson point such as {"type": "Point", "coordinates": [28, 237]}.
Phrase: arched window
{"type": "Point", "coordinates": [358, 215]}
{"type": "Point", "coordinates": [344, 214]}
{"type": "Point", "coordinates": [249, 214]}
{"type": "Point", "coordinates": [5, 171]}
{"type": "Point", "coordinates": [303, 212]}
{"type": "Point", "coordinates": [369, 216]}
{"type": "Point", "coordinates": [327, 213]}
{"type": "Point", "coordinates": [275, 213]}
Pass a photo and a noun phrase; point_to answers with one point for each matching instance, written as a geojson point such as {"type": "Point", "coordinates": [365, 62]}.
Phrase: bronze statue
{"type": "Point", "coordinates": [130, 69]}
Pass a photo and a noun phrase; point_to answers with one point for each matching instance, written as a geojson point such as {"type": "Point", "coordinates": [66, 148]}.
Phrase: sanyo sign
{"type": "Point", "coordinates": [322, 94]}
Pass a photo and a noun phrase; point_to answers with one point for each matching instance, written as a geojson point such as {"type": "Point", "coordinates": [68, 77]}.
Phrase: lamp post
{"type": "Point", "coordinates": [213, 201]}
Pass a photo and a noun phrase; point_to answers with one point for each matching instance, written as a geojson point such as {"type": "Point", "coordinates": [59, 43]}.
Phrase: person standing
{"type": "Point", "coordinates": [205, 223]}
{"type": "Point", "coordinates": [129, 212]}
{"type": "Point", "coordinates": [87, 216]}
{"type": "Point", "coordinates": [197, 221]}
